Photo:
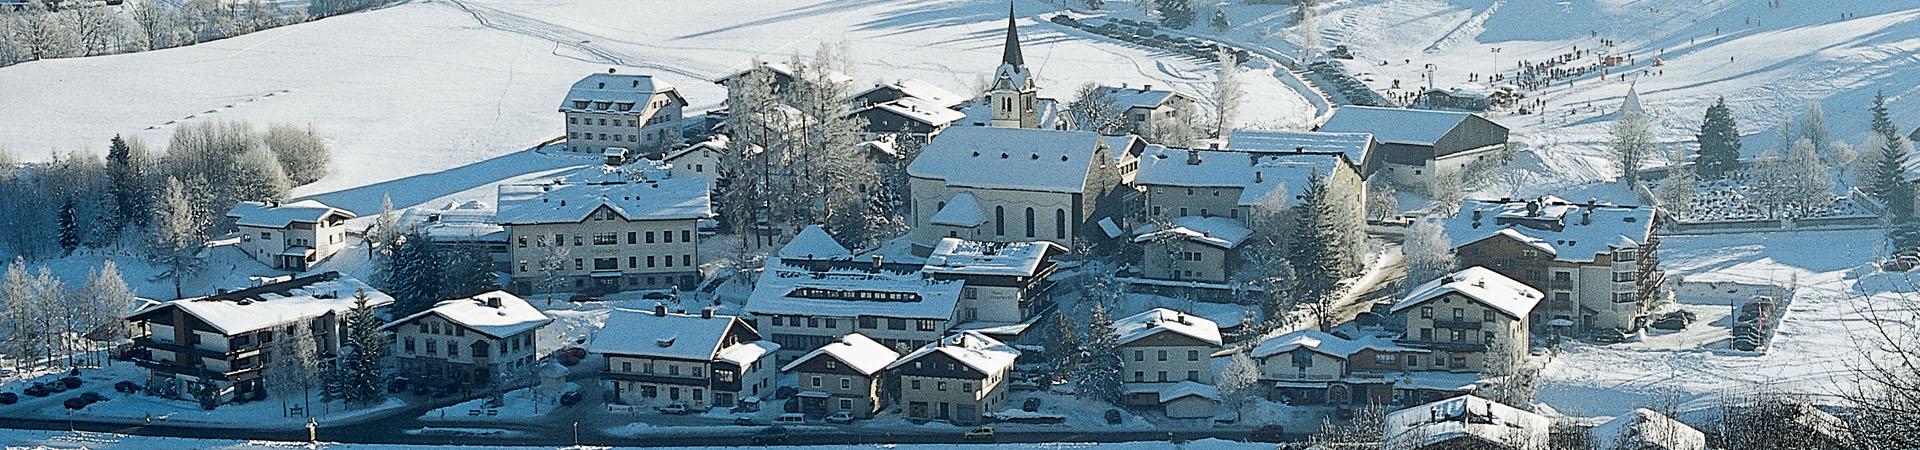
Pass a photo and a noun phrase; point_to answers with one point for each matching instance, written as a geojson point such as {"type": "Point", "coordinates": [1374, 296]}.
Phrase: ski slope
{"type": "Point", "coordinates": [432, 85]}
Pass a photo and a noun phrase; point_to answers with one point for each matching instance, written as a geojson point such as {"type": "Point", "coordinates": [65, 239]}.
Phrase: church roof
{"type": "Point", "coordinates": [1011, 54]}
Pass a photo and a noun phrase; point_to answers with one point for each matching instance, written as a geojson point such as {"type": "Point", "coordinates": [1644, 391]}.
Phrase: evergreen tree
{"type": "Point", "coordinates": [1719, 142]}
{"type": "Point", "coordinates": [1890, 178]}
{"type": "Point", "coordinates": [69, 230]}
{"type": "Point", "coordinates": [179, 231]}
{"type": "Point", "coordinates": [127, 173]}
{"type": "Point", "coordinates": [466, 271]}
{"type": "Point", "coordinates": [410, 271]}
{"type": "Point", "coordinates": [1882, 122]}
{"type": "Point", "coordinates": [363, 383]}
{"type": "Point", "coordinates": [1176, 14]}
{"type": "Point", "coordinates": [1063, 346]}
{"type": "Point", "coordinates": [1099, 375]}
{"type": "Point", "coordinates": [1318, 251]}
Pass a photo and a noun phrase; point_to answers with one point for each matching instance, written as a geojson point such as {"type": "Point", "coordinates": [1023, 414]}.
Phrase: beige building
{"type": "Point", "coordinates": [1004, 282]}
{"type": "Point", "coordinates": [845, 375]}
{"type": "Point", "coordinates": [632, 112]}
{"type": "Point", "coordinates": [1597, 263]}
{"type": "Point", "coordinates": [659, 358]}
{"type": "Point", "coordinates": [1166, 361]}
{"type": "Point", "coordinates": [613, 236]}
{"type": "Point", "coordinates": [1466, 317]}
{"type": "Point", "coordinates": [291, 236]}
{"type": "Point", "coordinates": [957, 379]}
{"type": "Point", "coordinates": [1189, 248]}
{"type": "Point", "coordinates": [1146, 108]}
{"type": "Point", "coordinates": [700, 160]}
{"type": "Point", "coordinates": [1018, 185]}
{"type": "Point", "coordinates": [469, 341]}
{"type": "Point", "coordinates": [1310, 367]}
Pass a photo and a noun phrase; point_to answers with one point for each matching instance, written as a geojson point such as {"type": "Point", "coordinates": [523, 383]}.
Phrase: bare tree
{"type": "Point", "coordinates": [1429, 253]}
{"type": "Point", "coordinates": [550, 264]}
{"type": "Point", "coordinates": [1676, 192]}
{"type": "Point", "coordinates": [1885, 388]}
{"type": "Point", "coordinates": [1632, 143]}
{"type": "Point", "coordinates": [294, 365]}
{"type": "Point", "coordinates": [1236, 383]}
{"type": "Point", "coordinates": [1096, 110]}
{"type": "Point", "coordinates": [1227, 94]}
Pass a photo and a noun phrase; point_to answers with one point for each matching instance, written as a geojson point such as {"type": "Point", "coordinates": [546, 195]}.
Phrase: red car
{"type": "Point", "coordinates": [1268, 433]}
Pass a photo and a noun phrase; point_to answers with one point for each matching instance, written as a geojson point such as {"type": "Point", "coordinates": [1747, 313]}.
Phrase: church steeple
{"type": "Point", "coordinates": [1011, 54]}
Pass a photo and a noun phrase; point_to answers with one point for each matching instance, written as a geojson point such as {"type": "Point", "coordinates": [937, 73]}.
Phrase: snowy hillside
{"type": "Point", "coordinates": [433, 85]}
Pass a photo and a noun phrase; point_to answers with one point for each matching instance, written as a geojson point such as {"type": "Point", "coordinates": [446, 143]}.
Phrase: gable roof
{"type": "Point", "coordinates": [963, 211]}
{"type": "Point", "coordinates": [1394, 125]}
{"type": "Point", "coordinates": [266, 215]}
{"type": "Point", "coordinates": [673, 198]}
{"type": "Point", "coordinates": [513, 316]}
{"type": "Point", "coordinates": [857, 351]}
{"type": "Point", "coordinates": [1016, 158]}
{"type": "Point", "coordinates": [976, 350]}
{"type": "Point", "coordinates": [1157, 320]}
{"type": "Point", "coordinates": [1465, 416]}
{"type": "Point", "coordinates": [674, 335]}
{"type": "Point", "coordinates": [920, 110]}
{"type": "Point", "coordinates": [915, 88]}
{"type": "Point", "coordinates": [1326, 343]}
{"type": "Point", "coordinates": [1215, 231]}
{"type": "Point", "coordinates": [1481, 284]}
{"type": "Point", "coordinates": [955, 256]}
{"type": "Point", "coordinates": [1572, 232]}
{"type": "Point", "coordinates": [1260, 176]}
{"type": "Point", "coordinates": [1140, 97]}
{"type": "Point", "coordinates": [851, 289]}
{"type": "Point", "coordinates": [1643, 429]}
{"type": "Point", "coordinates": [259, 307]}
{"type": "Point", "coordinates": [613, 93]}
{"type": "Point", "coordinates": [813, 243]}
{"type": "Point", "coordinates": [1353, 146]}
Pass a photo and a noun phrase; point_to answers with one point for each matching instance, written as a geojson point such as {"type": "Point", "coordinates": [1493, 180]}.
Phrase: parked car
{"type": "Point", "coordinates": [93, 397]}
{"type": "Point", "coordinates": [980, 432]}
{"type": "Point", "coordinates": [791, 419]}
{"type": "Point", "coordinates": [746, 421]}
{"type": "Point", "coordinates": [8, 398]}
{"type": "Point", "coordinates": [72, 382]}
{"type": "Point", "coordinates": [75, 403]}
{"type": "Point", "coordinates": [1113, 417]}
{"type": "Point", "coordinates": [770, 435]}
{"type": "Point", "coordinates": [1268, 433]}
{"type": "Point", "coordinates": [678, 409]}
{"type": "Point", "coordinates": [1609, 336]}
{"type": "Point", "coordinates": [656, 295]}
{"type": "Point", "coordinates": [1674, 320]}
{"type": "Point", "coordinates": [582, 298]}
{"type": "Point", "coordinates": [1900, 264]}
{"type": "Point", "coordinates": [841, 417]}
{"type": "Point", "coordinates": [1031, 405]}
{"type": "Point", "coordinates": [570, 397]}
{"type": "Point", "coordinates": [56, 386]}
{"type": "Point", "coordinates": [37, 390]}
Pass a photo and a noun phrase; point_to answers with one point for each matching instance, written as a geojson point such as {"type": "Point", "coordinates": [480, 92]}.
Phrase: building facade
{"type": "Point", "coordinates": [1022, 185]}
{"type": "Point", "coordinates": [611, 237]}
{"type": "Point", "coordinates": [957, 379]}
{"type": "Point", "coordinates": [632, 112]}
{"type": "Point", "coordinates": [290, 236]}
{"type": "Point", "coordinates": [1418, 147]}
{"type": "Point", "coordinates": [813, 293]}
{"type": "Point", "coordinates": [846, 375]}
{"type": "Point", "coordinates": [1469, 320]}
{"type": "Point", "coordinates": [473, 341]}
{"type": "Point", "coordinates": [1597, 263]}
{"type": "Point", "coordinates": [659, 358]}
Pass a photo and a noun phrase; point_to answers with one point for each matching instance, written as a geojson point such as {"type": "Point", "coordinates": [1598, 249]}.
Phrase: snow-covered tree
{"type": "Point", "coordinates": [1445, 191]}
{"type": "Point", "coordinates": [362, 381]}
{"type": "Point", "coordinates": [1882, 121]}
{"type": "Point", "coordinates": [1237, 381]}
{"type": "Point", "coordinates": [1429, 253]}
{"type": "Point", "coordinates": [293, 366]}
{"type": "Point", "coordinates": [1323, 253]}
{"type": "Point", "coordinates": [549, 263]}
{"type": "Point", "coordinates": [1719, 142]}
{"type": "Point", "coordinates": [1676, 192]}
{"type": "Point", "coordinates": [19, 324]}
{"type": "Point", "coordinates": [1227, 94]}
{"type": "Point", "coordinates": [45, 34]}
{"type": "Point", "coordinates": [1507, 377]}
{"type": "Point", "coordinates": [1810, 186]}
{"type": "Point", "coordinates": [1099, 376]}
{"type": "Point", "coordinates": [1097, 110]}
{"type": "Point", "coordinates": [1063, 346]}
{"type": "Point", "coordinates": [105, 299]}
{"type": "Point", "coordinates": [1176, 14]}
{"type": "Point", "coordinates": [410, 271]}
{"type": "Point", "coordinates": [1183, 131]}
{"type": "Point", "coordinates": [257, 176]}
{"type": "Point", "coordinates": [1631, 142]}
{"type": "Point", "coordinates": [302, 155]}
{"type": "Point", "coordinates": [1813, 128]}
{"type": "Point", "coordinates": [179, 230]}
{"type": "Point", "coordinates": [1306, 25]}
{"type": "Point", "coordinates": [130, 177]}
{"type": "Point", "coordinates": [1889, 182]}
{"type": "Point", "coordinates": [1367, 427]}
{"type": "Point", "coordinates": [1382, 203]}
{"type": "Point", "coordinates": [386, 226]}
{"type": "Point", "coordinates": [466, 271]}
{"type": "Point", "coordinates": [751, 111]}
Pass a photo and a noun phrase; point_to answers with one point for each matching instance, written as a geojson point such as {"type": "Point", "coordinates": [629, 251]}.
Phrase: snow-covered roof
{"type": "Point", "coordinates": [1259, 175]}
{"type": "Point", "coordinates": [955, 256]}
{"type": "Point", "coordinates": [976, 350]}
{"type": "Point", "coordinates": [674, 198]}
{"type": "Point", "coordinates": [1215, 231]}
{"type": "Point", "coordinates": [673, 335]}
{"type": "Point", "coordinates": [786, 70]}
{"type": "Point", "coordinates": [1169, 392]}
{"type": "Point", "coordinates": [921, 110]}
{"type": "Point", "coordinates": [1394, 125]}
{"type": "Point", "coordinates": [962, 211]}
{"type": "Point", "coordinates": [468, 221]}
{"type": "Point", "coordinates": [717, 143]}
{"type": "Point", "coordinates": [1643, 429]}
{"type": "Point", "coordinates": [1047, 111]}
{"type": "Point", "coordinates": [857, 351]}
{"type": "Point", "coordinates": [1140, 97]}
{"type": "Point", "coordinates": [813, 243]}
{"type": "Point", "coordinates": [926, 92]}
{"type": "Point", "coordinates": [260, 307]}
{"type": "Point", "coordinates": [1139, 326]}
{"type": "Point", "coordinates": [1513, 298]}
{"type": "Point", "coordinates": [1325, 343]}
{"type": "Point", "coordinates": [1352, 145]}
{"type": "Point", "coordinates": [745, 353]}
{"type": "Point", "coordinates": [851, 290]}
{"type": "Point", "coordinates": [513, 316]}
{"type": "Point", "coordinates": [1465, 416]}
{"type": "Point", "coordinates": [612, 93]}
{"type": "Point", "coordinates": [279, 215]}
{"type": "Point", "coordinates": [1572, 232]}
{"type": "Point", "coordinates": [1015, 158]}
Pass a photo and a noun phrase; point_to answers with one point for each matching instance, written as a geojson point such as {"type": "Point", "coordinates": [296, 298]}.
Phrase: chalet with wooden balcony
{"type": "Point", "coordinates": [290, 236]}
{"type": "Point", "coordinates": [216, 348]}
{"type": "Point", "coordinates": [1468, 318]}
{"type": "Point", "coordinates": [1596, 263]}
{"type": "Point", "coordinates": [468, 341]}
{"type": "Point", "coordinates": [706, 360]}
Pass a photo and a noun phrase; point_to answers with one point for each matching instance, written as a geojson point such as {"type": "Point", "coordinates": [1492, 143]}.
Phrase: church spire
{"type": "Point", "coordinates": [1011, 55]}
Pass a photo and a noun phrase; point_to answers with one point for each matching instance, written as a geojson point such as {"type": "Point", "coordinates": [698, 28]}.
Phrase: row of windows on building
{"type": "Point", "coordinates": [1487, 337]}
{"type": "Point", "coordinates": [617, 137]}
{"type": "Point", "coordinates": [673, 392]}
{"type": "Point", "coordinates": [1140, 355]}
{"type": "Point", "coordinates": [693, 371]}
{"type": "Point", "coordinates": [845, 382]}
{"type": "Point", "coordinates": [1231, 213]}
{"type": "Point", "coordinates": [432, 347]}
{"type": "Point", "coordinates": [606, 238]}
{"type": "Point", "coordinates": [1140, 376]}
{"type": "Point", "coordinates": [1000, 222]}
{"type": "Point", "coordinates": [938, 385]}
{"type": "Point", "coordinates": [633, 262]}
{"type": "Point", "coordinates": [865, 322]}
{"type": "Point", "coordinates": [1459, 314]}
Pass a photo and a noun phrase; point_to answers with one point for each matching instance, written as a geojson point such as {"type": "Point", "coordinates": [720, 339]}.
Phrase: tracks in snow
{"type": "Point", "coordinates": [564, 36]}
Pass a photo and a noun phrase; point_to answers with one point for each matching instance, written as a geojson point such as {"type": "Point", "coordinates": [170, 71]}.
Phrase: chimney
{"type": "Point", "coordinates": [1476, 215]}
{"type": "Point", "coordinates": [1123, 85]}
{"type": "Point", "coordinates": [706, 313]}
{"type": "Point", "coordinates": [659, 309]}
{"type": "Point", "coordinates": [493, 302]}
{"type": "Point", "coordinates": [610, 70]}
{"type": "Point", "coordinates": [876, 261]}
{"type": "Point", "coordinates": [1193, 157]}
{"type": "Point", "coordinates": [1586, 217]}
{"type": "Point", "coordinates": [1146, 87]}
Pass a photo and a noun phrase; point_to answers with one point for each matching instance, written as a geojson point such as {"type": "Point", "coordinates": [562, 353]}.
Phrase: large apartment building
{"type": "Point", "coordinates": [813, 292]}
{"type": "Point", "coordinates": [1597, 263]}
{"type": "Point", "coordinates": [700, 360]}
{"type": "Point", "coordinates": [217, 348]}
{"type": "Point", "coordinates": [611, 236]}
{"type": "Point", "coordinates": [469, 341]}
{"type": "Point", "coordinates": [632, 112]}
{"type": "Point", "coordinates": [958, 378]}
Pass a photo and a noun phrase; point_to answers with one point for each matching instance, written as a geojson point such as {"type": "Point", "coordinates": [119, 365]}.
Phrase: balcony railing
{"type": "Point", "coordinates": [655, 378]}
{"type": "Point", "coordinates": [1462, 324]}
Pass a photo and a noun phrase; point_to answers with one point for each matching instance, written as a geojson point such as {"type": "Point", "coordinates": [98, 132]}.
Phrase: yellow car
{"type": "Point", "coordinates": [980, 433]}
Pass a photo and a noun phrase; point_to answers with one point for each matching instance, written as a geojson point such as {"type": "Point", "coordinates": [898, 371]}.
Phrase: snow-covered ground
{"type": "Point", "coordinates": [1817, 337]}
{"type": "Point", "coordinates": [141, 408]}
{"type": "Point", "coordinates": [41, 439]}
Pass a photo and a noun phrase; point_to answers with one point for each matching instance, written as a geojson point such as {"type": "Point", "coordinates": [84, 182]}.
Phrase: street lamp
{"type": "Point", "coordinates": [576, 433]}
{"type": "Point", "coordinates": [1496, 63]}
{"type": "Point", "coordinates": [311, 427]}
